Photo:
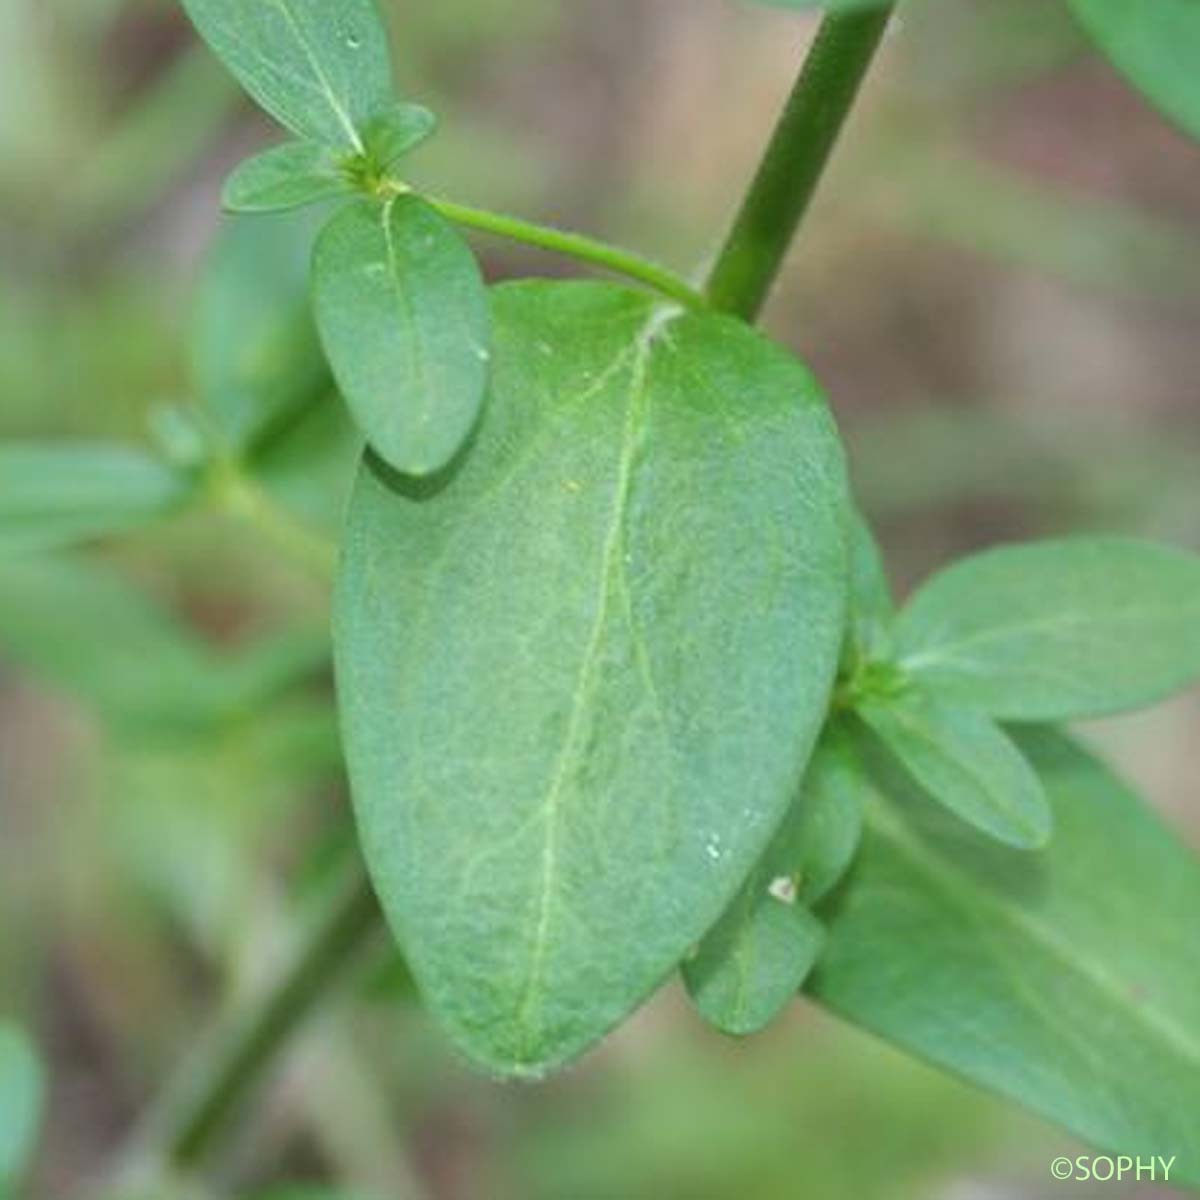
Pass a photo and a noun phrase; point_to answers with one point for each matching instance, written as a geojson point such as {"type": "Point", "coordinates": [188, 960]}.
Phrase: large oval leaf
{"type": "Point", "coordinates": [580, 679]}
{"type": "Point", "coordinates": [320, 68]}
{"type": "Point", "coordinates": [1067, 980]}
{"type": "Point", "coordinates": [1156, 44]}
{"type": "Point", "coordinates": [1056, 630]}
{"type": "Point", "coordinates": [403, 316]}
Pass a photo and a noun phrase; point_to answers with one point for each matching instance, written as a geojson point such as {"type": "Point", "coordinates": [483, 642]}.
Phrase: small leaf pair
{"type": "Point", "coordinates": [399, 300]}
{"type": "Point", "coordinates": [752, 963]}
{"type": "Point", "coordinates": [1050, 631]}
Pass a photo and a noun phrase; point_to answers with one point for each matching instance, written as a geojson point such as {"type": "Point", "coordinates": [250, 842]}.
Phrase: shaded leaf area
{"type": "Point", "coordinates": [580, 677]}
{"type": "Point", "coordinates": [1040, 976]}
{"type": "Point", "coordinates": [403, 316]}
{"type": "Point", "coordinates": [56, 494]}
{"type": "Point", "coordinates": [1058, 629]}
{"type": "Point", "coordinates": [752, 962]}
{"type": "Point", "coordinates": [321, 69]}
{"type": "Point", "coordinates": [22, 1093]}
{"type": "Point", "coordinates": [1155, 46]}
{"type": "Point", "coordinates": [85, 630]}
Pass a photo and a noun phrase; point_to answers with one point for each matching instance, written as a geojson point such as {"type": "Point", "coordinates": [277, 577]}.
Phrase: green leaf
{"type": "Point", "coordinates": [287, 176]}
{"type": "Point", "coordinates": [403, 316]}
{"type": "Point", "coordinates": [580, 677]}
{"type": "Point", "coordinates": [1067, 980]}
{"type": "Point", "coordinates": [752, 962]}
{"type": "Point", "coordinates": [965, 761]}
{"type": "Point", "coordinates": [55, 495]}
{"type": "Point", "coordinates": [1156, 45]}
{"type": "Point", "coordinates": [22, 1095]}
{"type": "Point", "coordinates": [872, 610]}
{"type": "Point", "coordinates": [395, 131]}
{"type": "Point", "coordinates": [88, 632]}
{"type": "Point", "coordinates": [830, 818]}
{"type": "Point", "coordinates": [256, 359]}
{"type": "Point", "coordinates": [320, 69]}
{"type": "Point", "coordinates": [1057, 630]}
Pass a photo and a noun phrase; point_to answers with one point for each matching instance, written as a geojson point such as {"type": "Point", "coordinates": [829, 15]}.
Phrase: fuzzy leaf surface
{"type": "Point", "coordinates": [580, 676]}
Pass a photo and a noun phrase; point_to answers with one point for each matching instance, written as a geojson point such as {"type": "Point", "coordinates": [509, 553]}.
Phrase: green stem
{"type": "Point", "coordinates": [573, 245]}
{"type": "Point", "coordinates": [242, 496]}
{"type": "Point", "coordinates": [187, 1127]}
{"type": "Point", "coordinates": [794, 161]}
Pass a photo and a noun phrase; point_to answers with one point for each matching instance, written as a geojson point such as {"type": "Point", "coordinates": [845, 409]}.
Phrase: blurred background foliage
{"type": "Point", "coordinates": [999, 288]}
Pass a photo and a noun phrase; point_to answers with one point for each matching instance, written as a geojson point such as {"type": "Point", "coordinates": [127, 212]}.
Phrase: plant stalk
{"type": "Point", "coordinates": [573, 245]}
{"type": "Point", "coordinates": [795, 158]}
{"type": "Point", "coordinates": [189, 1122]}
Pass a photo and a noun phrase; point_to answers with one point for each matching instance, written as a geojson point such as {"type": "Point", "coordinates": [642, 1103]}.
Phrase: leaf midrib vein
{"type": "Point", "coordinates": [1177, 1039]}
{"type": "Point", "coordinates": [552, 805]}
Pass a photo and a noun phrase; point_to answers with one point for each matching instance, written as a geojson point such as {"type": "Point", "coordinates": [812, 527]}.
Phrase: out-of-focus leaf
{"type": "Point", "coordinates": [1067, 980]}
{"type": "Point", "coordinates": [54, 494]}
{"type": "Point", "coordinates": [22, 1088]}
{"type": "Point", "coordinates": [1156, 45]}
{"type": "Point", "coordinates": [827, 5]}
{"type": "Point", "coordinates": [287, 176]}
{"type": "Point", "coordinates": [549, 840]}
{"type": "Point", "coordinates": [87, 631]}
{"type": "Point", "coordinates": [966, 762]}
{"type": "Point", "coordinates": [256, 359]}
{"type": "Point", "coordinates": [1056, 630]}
{"type": "Point", "coordinates": [321, 69]}
{"type": "Point", "coordinates": [403, 316]}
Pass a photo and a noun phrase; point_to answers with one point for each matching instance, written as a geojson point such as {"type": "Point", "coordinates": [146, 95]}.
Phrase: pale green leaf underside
{"type": "Point", "coordinates": [1156, 44]}
{"type": "Point", "coordinates": [403, 316]}
{"type": "Point", "coordinates": [55, 495]}
{"type": "Point", "coordinates": [753, 961]}
{"type": "Point", "coordinates": [580, 678]}
{"type": "Point", "coordinates": [1057, 630]}
{"type": "Point", "coordinates": [255, 357]}
{"type": "Point", "coordinates": [284, 177]}
{"type": "Point", "coordinates": [1067, 980]}
{"type": "Point", "coordinates": [22, 1088]}
{"type": "Point", "coordinates": [966, 762]}
{"type": "Point", "coordinates": [319, 68]}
